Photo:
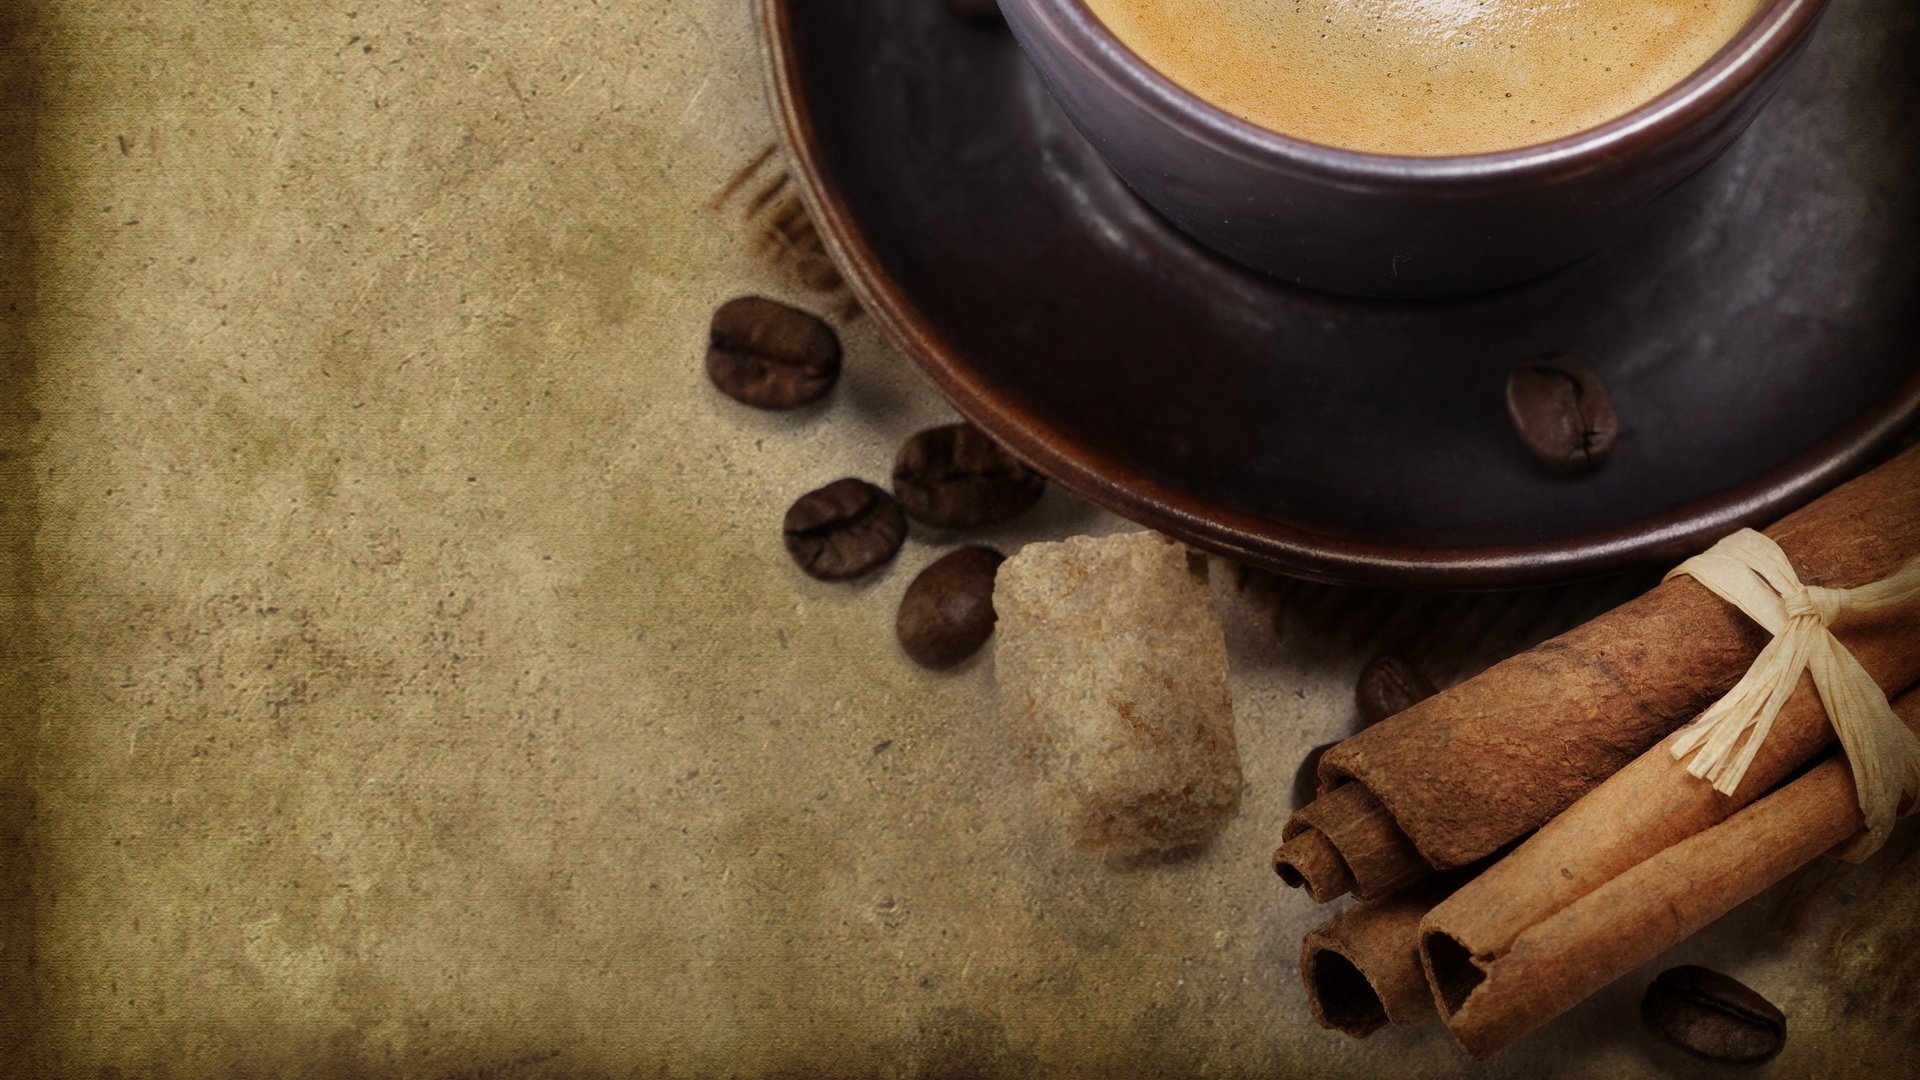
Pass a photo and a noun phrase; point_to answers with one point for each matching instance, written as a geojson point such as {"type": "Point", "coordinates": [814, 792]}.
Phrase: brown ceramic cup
{"type": "Point", "coordinates": [1381, 225]}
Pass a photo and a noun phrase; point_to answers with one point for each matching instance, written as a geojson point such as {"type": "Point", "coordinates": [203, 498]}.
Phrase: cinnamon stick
{"type": "Point", "coordinates": [1653, 803]}
{"type": "Point", "coordinates": [1310, 861]}
{"type": "Point", "coordinates": [1362, 967]}
{"type": "Point", "coordinates": [1476, 767]}
{"type": "Point", "coordinates": [1549, 967]}
{"type": "Point", "coordinates": [1346, 841]}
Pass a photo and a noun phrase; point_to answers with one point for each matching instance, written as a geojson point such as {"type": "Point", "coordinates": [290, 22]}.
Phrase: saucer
{"type": "Point", "coordinates": [1758, 333]}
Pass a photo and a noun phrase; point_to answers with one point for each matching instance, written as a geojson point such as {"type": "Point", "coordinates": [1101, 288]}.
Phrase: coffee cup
{"type": "Point", "coordinates": [1396, 223]}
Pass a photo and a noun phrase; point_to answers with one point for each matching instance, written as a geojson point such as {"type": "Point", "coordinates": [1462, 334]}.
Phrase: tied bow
{"type": "Point", "coordinates": [1749, 571]}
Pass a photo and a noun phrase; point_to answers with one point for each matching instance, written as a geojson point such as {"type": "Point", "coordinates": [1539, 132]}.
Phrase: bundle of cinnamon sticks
{"type": "Point", "coordinates": [1522, 839]}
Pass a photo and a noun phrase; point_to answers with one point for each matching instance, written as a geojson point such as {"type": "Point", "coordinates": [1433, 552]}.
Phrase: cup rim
{"type": "Point", "coordinates": [1766, 39]}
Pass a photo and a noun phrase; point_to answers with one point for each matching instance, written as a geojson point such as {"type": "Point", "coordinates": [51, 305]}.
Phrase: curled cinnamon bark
{"type": "Point", "coordinates": [1345, 841]}
{"type": "Point", "coordinates": [1477, 767]}
{"type": "Point", "coordinates": [1490, 999]}
{"type": "Point", "coordinates": [1653, 804]}
{"type": "Point", "coordinates": [1310, 861]}
{"type": "Point", "coordinates": [1362, 967]}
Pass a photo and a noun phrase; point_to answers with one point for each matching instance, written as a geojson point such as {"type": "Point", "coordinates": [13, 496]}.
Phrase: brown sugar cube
{"type": "Point", "coordinates": [1112, 667]}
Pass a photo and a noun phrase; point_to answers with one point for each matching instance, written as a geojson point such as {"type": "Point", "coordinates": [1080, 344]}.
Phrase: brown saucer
{"type": "Point", "coordinates": [1758, 335]}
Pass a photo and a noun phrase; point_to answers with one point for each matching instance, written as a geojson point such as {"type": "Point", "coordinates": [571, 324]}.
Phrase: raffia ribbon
{"type": "Point", "coordinates": [1750, 572]}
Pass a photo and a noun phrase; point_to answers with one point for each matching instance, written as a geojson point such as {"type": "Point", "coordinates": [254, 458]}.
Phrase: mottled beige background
{"type": "Point", "coordinates": [402, 673]}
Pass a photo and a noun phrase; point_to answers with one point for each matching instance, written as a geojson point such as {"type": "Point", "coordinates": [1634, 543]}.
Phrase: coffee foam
{"type": "Point", "coordinates": [1426, 77]}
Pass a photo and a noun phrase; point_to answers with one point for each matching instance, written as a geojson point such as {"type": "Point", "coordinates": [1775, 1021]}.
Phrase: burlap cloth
{"type": "Point", "coordinates": [403, 674]}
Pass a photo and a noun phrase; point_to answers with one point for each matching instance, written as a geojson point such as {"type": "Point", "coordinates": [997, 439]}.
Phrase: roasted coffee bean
{"type": "Point", "coordinates": [844, 529]}
{"type": "Point", "coordinates": [1387, 686]}
{"type": "Point", "coordinates": [947, 613]}
{"type": "Point", "coordinates": [770, 356]}
{"type": "Point", "coordinates": [1714, 1016]}
{"type": "Point", "coordinates": [1562, 412]}
{"type": "Point", "coordinates": [1306, 782]}
{"type": "Point", "coordinates": [954, 477]}
{"type": "Point", "coordinates": [983, 13]}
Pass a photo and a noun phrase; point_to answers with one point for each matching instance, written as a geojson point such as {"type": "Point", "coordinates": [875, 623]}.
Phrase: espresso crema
{"type": "Point", "coordinates": [1426, 77]}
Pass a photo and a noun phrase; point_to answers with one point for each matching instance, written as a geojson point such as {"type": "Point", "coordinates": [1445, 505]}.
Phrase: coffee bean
{"type": "Point", "coordinates": [983, 13]}
{"type": "Point", "coordinates": [954, 477]}
{"type": "Point", "coordinates": [947, 613]}
{"type": "Point", "coordinates": [1713, 1016]}
{"type": "Point", "coordinates": [844, 529]}
{"type": "Point", "coordinates": [1306, 782]}
{"type": "Point", "coordinates": [770, 356]}
{"type": "Point", "coordinates": [1562, 412]}
{"type": "Point", "coordinates": [1387, 686]}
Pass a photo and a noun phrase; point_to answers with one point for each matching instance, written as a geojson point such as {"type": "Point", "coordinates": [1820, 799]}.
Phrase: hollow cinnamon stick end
{"type": "Point", "coordinates": [1338, 993]}
{"type": "Point", "coordinates": [1310, 861]}
{"type": "Point", "coordinates": [1453, 974]}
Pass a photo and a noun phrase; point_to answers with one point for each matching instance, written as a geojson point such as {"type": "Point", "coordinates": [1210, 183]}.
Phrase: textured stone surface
{"type": "Point", "coordinates": [402, 672]}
